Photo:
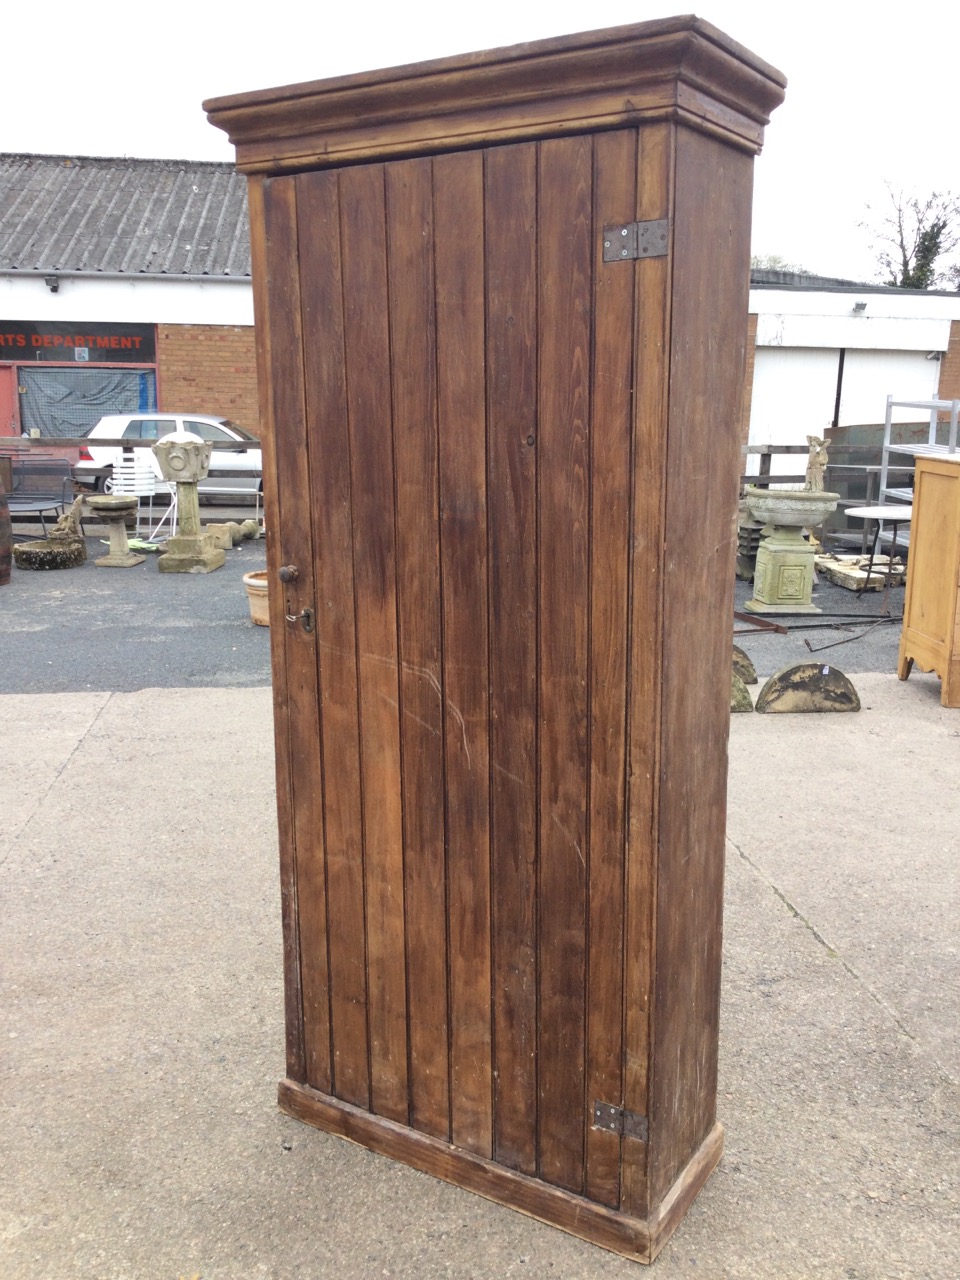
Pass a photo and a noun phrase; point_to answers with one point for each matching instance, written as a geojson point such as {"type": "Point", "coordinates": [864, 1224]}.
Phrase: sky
{"type": "Point", "coordinates": [870, 100]}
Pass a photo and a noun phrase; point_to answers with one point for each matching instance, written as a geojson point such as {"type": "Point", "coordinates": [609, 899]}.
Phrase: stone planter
{"type": "Point", "coordinates": [50, 553]}
{"type": "Point", "coordinates": [256, 588]}
{"type": "Point", "coordinates": [783, 578]}
{"type": "Point", "coordinates": [790, 508]}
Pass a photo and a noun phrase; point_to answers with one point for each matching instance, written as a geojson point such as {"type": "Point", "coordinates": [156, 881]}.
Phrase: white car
{"type": "Point", "coordinates": [244, 455]}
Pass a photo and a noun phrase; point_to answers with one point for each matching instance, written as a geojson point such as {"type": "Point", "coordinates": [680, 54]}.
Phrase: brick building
{"type": "Point", "coordinates": [124, 285]}
{"type": "Point", "coordinates": [824, 354]}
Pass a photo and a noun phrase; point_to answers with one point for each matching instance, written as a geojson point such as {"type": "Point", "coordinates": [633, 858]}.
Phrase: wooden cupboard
{"type": "Point", "coordinates": [930, 636]}
{"type": "Point", "coordinates": [501, 307]}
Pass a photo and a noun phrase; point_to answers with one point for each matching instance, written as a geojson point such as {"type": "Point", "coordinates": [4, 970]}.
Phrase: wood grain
{"type": "Point", "coordinates": [512, 420]}
{"type": "Point", "coordinates": [409, 209]}
{"type": "Point", "coordinates": [294, 545]}
{"type": "Point", "coordinates": [563, 445]}
{"type": "Point", "coordinates": [268, 359]}
{"type": "Point", "coordinates": [930, 636]}
{"type": "Point", "coordinates": [367, 338]}
{"type": "Point", "coordinates": [709, 310]}
{"type": "Point", "coordinates": [615, 197]}
{"type": "Point", "coordinates": [680, 69]}
{"type": "Point", "coordinates": [331, 505]}
{"type": "Point", "coordinates": [507, 472]}
{"type": "Point", "coordinates": [458, 233]}
{"type": "Point", "coordinates": [638, 1239]}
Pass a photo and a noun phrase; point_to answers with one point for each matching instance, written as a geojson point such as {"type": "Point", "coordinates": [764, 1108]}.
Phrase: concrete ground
{"type": "Point", "coordinates": [140, 963]}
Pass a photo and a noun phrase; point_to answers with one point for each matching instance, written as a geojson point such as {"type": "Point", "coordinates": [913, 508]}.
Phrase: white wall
{"type": "Point", "coordinates": [877, 333]}
{"type": "Point", "coordinates": [130, 301]}
{"type": "Point", "coordinates": [908, 375]}
{"type": "Point", "coordinates": [794, 394]}
{"type": "Point", "coordinates": [800, 334]}
{"type": "Point", "coordinates": [890, 304]}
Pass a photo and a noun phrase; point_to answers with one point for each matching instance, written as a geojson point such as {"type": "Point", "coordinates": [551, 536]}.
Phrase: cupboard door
{"type": "Point", "coordinates": [459, 450]}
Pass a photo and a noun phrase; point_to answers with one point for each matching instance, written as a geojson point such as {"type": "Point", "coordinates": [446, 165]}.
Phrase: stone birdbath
{"type": "Point", "coordinates": [185, 460]}
{"type": "Point", "coordinates": [64, 549]}
{"type": "Point", "coordinates": [783, 579]}
{"type": "Point", "coordinates": [113, 509]}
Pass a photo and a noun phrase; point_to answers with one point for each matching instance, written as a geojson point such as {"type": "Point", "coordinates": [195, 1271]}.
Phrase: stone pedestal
{"type": "Point", "coordinates": [185, 459]}
{"type": "Point", "coordinates": [113, 509]}
{"type": "Point", "coordinates": [783, 576]}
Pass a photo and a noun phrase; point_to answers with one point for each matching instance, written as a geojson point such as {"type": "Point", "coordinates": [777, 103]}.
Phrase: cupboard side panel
{"type": "Point", "coordinates": [267, 293]}
{"type": "Point", "coordinates": [565, 214]}
{"type": "Point", "coordinates": [458, 231]}
{"type": "Point", "coordinates": [409, 190]}
{"type": "Point", "coordinates": [615, 175]}
{"type": "Point", "coordinates": [646, 650]}
{"type": "Point", "coordinates": [299, 691]}
{"type": "Point", "coordinates": [367, 345]}
{"type": "Point", "coordinates": [511, 345]}
{"type": "Point", "coordinates": [709, 322]}
{"type": "Point", "coordinates": [931, 585]}
{"type": "Point", "coordinates": [331, 506]}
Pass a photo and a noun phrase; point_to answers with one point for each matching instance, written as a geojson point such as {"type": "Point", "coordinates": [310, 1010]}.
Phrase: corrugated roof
{"type": "Point", "coordinates": [154, 217]}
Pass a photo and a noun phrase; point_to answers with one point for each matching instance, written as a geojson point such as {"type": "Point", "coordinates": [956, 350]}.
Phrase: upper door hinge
{"type": "Point", "coordinates": [628, 1124]}
{"type": "Point", "coordinates": [628, 241]}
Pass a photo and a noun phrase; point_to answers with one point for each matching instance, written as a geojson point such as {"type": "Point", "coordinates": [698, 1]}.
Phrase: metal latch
{"type": "Point", "coordinates": [628, 1124]}
{"type": "Point", "coordinates": [305, 617]}
{"type": "Point", "coordinates": [631, 240]}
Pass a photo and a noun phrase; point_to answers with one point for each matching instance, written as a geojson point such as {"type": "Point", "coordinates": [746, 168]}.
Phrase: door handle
{"type": "Point", "coordinates": [306, 617]}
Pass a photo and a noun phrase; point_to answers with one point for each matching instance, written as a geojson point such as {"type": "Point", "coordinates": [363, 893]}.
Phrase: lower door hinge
{"type": "Point", "coordinates": [628, 1124]}
{"type": "Point", "coordinates": [628, 241]}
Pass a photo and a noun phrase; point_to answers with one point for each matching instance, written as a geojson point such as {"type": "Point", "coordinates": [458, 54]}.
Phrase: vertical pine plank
{"type": "Point", "coordinates": [566, 262]}
{"type": "Point", "coordinates": [710, 299]}
{"type": "Point", "coordinates": [295, 652]}
{"type": "Point", "coordinates": [293, 996]}
{"type": "Point", "coordinates": [615, 162]}
{"type": "Point", "coordinates": [647, 588]}
{"type": "Point", "coordinates": [458, 231]}
{"type": "Point", "coordinates": [318, 210]}
{"type": "Point", "coordinates": [409, 190]}
{"type": "Point", "coordinates": [367, 345]}
{"type": "Point", "coordinates": [511, 283]}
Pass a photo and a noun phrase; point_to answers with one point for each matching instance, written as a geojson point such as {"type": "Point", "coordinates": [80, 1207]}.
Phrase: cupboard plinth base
{"type": "Point", "coordinates": [932, 662]}
{"type": "Point", "coordinates": [639, 1239]}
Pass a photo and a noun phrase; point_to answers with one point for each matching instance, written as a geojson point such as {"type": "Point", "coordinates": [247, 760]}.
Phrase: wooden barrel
{"type": "Point", "coordinates": [6, 536]}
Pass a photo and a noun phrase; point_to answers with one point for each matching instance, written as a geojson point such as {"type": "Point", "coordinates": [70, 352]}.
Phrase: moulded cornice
{"type": "Point", "coordinates": [676, 68]}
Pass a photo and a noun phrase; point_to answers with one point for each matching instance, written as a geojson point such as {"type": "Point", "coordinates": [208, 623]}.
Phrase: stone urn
{"type": "Point", "coordinates": [790, 508]}
{"type": "Point", "coordinates": [185, 459]}
{"type": "Point", "coordinates": [783, 579]}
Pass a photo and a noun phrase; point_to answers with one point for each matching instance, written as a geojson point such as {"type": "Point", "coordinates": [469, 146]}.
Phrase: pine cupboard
{"type": "Point", "coordinates": [501, 308]}
{"type": "Point", "coordinates": [930, 635]}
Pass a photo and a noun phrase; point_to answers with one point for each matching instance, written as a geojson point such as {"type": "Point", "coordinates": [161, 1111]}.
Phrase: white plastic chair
{"type": "Point", "coordinates": [133, 475]}
{"type": "Point", "coordinates": [165, 488]}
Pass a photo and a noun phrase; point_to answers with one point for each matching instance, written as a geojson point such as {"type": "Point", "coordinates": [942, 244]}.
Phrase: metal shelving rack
{"type": "Point", "coordinates": [929, 450]}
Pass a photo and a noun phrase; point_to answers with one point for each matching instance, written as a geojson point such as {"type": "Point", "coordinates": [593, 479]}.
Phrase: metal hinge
{"type": "Point", "coordinates": [630, 240]}
{"type": "Point", "coordinates": [628, 1124]}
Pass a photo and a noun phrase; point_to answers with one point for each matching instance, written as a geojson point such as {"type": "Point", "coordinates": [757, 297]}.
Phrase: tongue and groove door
{"type": "Point", "coordinates": [501, 469]}
{"type": "Point", "coordinates": [457, 502]}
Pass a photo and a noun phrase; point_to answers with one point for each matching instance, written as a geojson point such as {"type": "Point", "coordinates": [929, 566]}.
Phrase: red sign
{"type": "Point", "coordinates": [79, 343]}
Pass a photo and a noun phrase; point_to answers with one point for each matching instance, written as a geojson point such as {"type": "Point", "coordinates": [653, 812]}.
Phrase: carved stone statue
{"type": "Point", "coordinates": [816, 464]}
{"type": "Point", "coordinates": [68, 525]}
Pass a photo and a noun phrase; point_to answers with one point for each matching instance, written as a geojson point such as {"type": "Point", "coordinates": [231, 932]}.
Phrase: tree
{"type": "Point", "coordinates": [774, 262]}
{"type": "Point", "coordinates": [914, 237]}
